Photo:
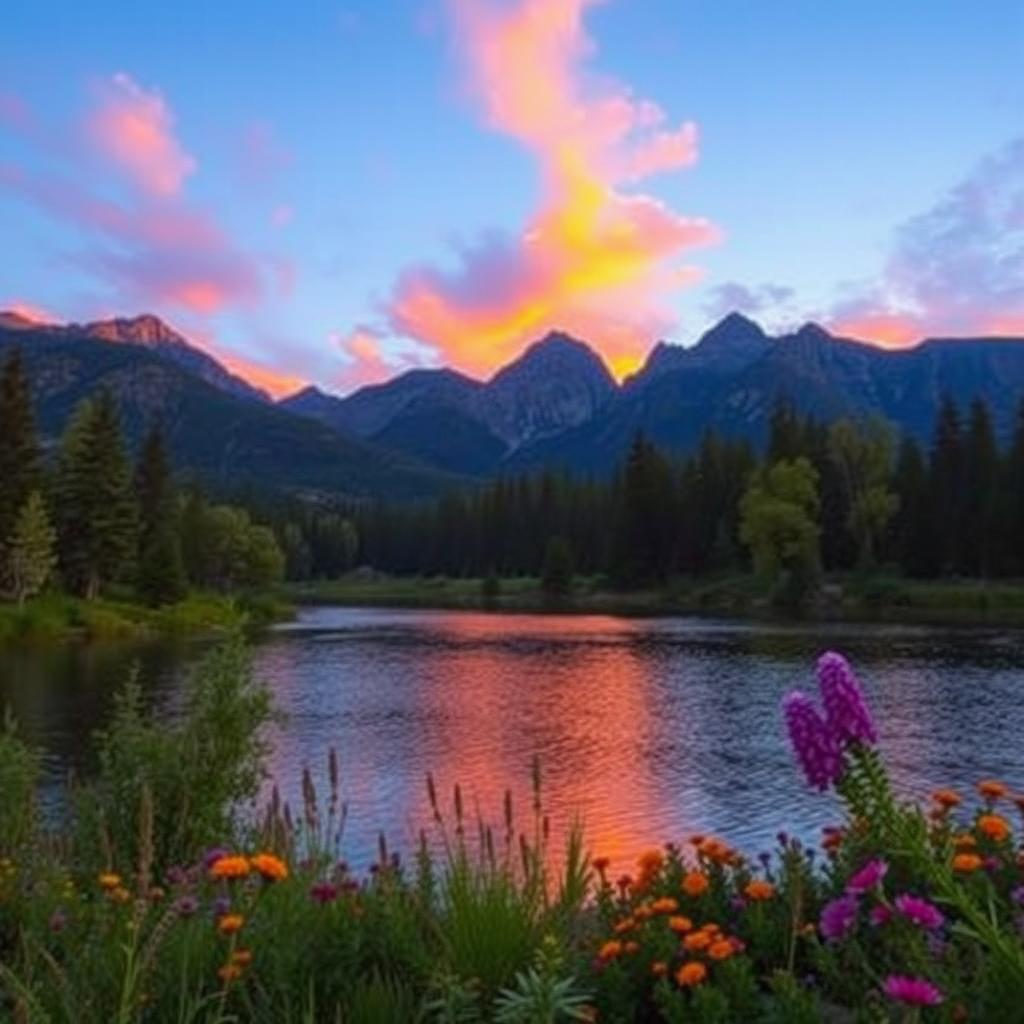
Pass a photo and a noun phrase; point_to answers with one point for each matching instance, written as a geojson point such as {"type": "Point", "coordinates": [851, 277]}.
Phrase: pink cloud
{"type": "Point", "coordinates": [593, 259]}
{"type": "Point", "coordinates": [134, 129]}
{"type": "Point", "coordinates": [367, 361]}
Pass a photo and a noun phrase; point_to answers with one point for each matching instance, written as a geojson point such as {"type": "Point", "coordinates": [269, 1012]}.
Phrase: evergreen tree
{"type": "Point", "coordinates": [978, 533]}
{"type": "Point", "coordinates": [1011, 530]}
{"type": "Point", "coordinates": [786, 434]}
{"type": "Point", "coordinates": [31, 549]}
{"type": "Point", "coordinates": [946, 486]}
{"type": "Point", "coordinates": [161, 575]}
{"type": "Point", "coordinates": [912, 526]}
{"type": "Point", "coordinates": [97, 512]}
{"type": "Point", "coordinates": [19, 449]}
{"type": "Point", "coordinates": [557, 574]}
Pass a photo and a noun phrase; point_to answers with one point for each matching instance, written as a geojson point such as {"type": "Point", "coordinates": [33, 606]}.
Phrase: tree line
{"type": "Point", "coordinates": [89, 520]}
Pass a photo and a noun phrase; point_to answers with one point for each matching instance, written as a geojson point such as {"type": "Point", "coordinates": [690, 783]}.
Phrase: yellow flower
{"type": "Point", "coordinates": [108, 880]}
{"type": "Point", "coordinates": [229, 867]}
{"type": "Point", "coordinates": [691, 973]}
{"type": "Point", "coordinates": [695, 883]}
{"type": "Point", "coordinates": [272, 868]}
{"type": "Point", "coordinates": [230, 923]}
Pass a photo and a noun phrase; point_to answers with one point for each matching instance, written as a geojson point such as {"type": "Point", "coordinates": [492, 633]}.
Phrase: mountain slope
{"type": "Point", "coordinates": [219, 435]}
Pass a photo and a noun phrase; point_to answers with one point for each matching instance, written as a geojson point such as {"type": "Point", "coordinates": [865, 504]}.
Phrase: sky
{"type": "Point", "coordinates": [335, 192]}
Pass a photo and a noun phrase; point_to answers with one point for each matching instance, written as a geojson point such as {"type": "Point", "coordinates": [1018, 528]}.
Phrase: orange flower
{"type": "Point", "coordinates": [721, 949]}
{"type": "Point", "coordinates": [272, 868]}
{"type": "Point", "coordinates": [715, 850]}
{"type": "Point", "coordinates": [680, 925]}
{"type": "Point", "coordinates": [120, 894]}
{"type": "Point", "coordinates": [697, 838]}
{"type": "Point", "coordinates": [759, 890]}
{"type": "Point", "coordinates": [242, 957]}
{"type": "Point", "coordinates": [229, 867]}
{"type": "Point", "coordinates": [965, 863]}
{"type": "Point", "coordinates": [659, 968]}
{"type": "Point", "coordinates": [643, 912]}
{"type": "Point", "coordinates": [601, 864]}
{"type": "Point", "coordinates": [696, 941]}
{"type": "Point", "coordinates": [666, 905]}
{"type": "Point", "coordinates": [230, 923]}
{"type": "Point", "coordinates": [610, 950]}
{"type": "Point", "coordinates": [991, 789]}
{"type": "Point", "coordinates": [964, 841]}
{"type": "Point", "coordinates": [695, 883]}
{"type": "Point", "coordinates": [229, 973]}
{"type": "Point", "coordinates": [623, 926]}
{"type": "Point", "coordinates": [946, 797]}
{"type": "Point", "coordinates": [692, 973]}
{"type": "Point", "coordinates": [108, 880]}
{"type": "Point", "coordinates": [631, 947]}
{"type": "Point", "coordinates": [994, 827]}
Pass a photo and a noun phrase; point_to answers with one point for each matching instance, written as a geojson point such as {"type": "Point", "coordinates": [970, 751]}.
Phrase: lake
{"type": "Point", "coordinates": [649, 729]}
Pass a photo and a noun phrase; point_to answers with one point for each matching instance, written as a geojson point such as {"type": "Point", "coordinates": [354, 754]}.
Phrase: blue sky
{"type": "Point", "coordinates": [343, 168]}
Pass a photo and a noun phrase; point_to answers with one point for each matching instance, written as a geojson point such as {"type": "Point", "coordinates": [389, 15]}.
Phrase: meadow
{"type": "Point", "coordinates": [168, 895]}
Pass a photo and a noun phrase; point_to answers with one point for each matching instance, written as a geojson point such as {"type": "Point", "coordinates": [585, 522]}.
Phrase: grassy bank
{"type": "Point", "coordinates": [842, 597]}
{"type": "Point", "coordinates": [54, 618]}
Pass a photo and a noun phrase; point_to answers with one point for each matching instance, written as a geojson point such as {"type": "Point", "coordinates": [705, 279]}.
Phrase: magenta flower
{"type": "Point", "coordinates": [815, 745]}
{"type": "Point", "coordinates": [912, 991]}
{"type": "Point", "coordinates": [880, 915]}
{"type": "Point", "coordinates": [323, 892]}
{"type": "Point", "coordinates": [920, 912]}
{"type": "Point", "coordinates": [838, 918]}
{"type": "Point", "coordinates": [869, 877]}
{"type": "Point", "coordinates": [846, 711]}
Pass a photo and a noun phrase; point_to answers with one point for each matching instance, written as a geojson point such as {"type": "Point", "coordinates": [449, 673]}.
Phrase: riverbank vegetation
{"type": "Point", "coordinates": [93, 545]}
{"type": "Point", "coordinates": [166, 897]}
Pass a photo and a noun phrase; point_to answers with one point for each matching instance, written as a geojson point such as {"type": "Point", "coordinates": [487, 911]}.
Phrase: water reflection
{"type": "Point", "coordinates": [648, 730]}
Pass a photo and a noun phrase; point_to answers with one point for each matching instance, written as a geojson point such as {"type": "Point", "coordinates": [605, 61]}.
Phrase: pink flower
{"type": "Point", "coordinates": [880, 915]}
{"type": "Point", "coordinates": [920, 912]}
{"type": "Point", "coordinates": [869, 877]}
{"type": "Point", "coordinates": [912, 991]}
{"type": "Point", "coordinates": [838, 918]}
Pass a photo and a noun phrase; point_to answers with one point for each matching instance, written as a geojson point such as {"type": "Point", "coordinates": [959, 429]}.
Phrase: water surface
{"type": "Point", "coordinates": [647, 729]}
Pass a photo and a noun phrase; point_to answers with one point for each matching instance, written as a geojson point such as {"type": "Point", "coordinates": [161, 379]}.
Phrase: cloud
{"type": "Point", "coordinates": [732, 296]}
{"type": "Point", "coordinates": [595, 258]}
{"type": "Point", "coordinates": [134, 129]}
{"type": "Point", "coordinates": [955, 269]}
{"type": "Point", "coordinates": [368, 359]}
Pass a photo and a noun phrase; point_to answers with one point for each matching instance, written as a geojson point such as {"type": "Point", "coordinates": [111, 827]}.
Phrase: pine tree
{"type": "Point", "coordinates": [557, 573]}
{"type": "Point", "coordinates": [19, 448]}
{"type": "Point", "coordinates": [97, 512]}
{"type": "Point", "coordinates": [161, 576]}
{"type": "Point", "coordinates": [912, 527]}
{"type": "Point", "coordinates": [981, 486]}
{"type": "Point", "coordinates": [1011, 530]}
{"type": "Point", "coordinates": [946, 483]}
{"type": "Point", "coordinates": [31, 549]}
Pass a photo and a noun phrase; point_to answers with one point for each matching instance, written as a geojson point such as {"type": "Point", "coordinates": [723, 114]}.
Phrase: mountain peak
{"type": "Point", "coordinates": [15, 321]}
{"type": "Point", "coordinates": [733, 331]}
{"type": "Point", "coordinates": [812, 331]}
{"type": "Point", "coordinates": [145, 329]}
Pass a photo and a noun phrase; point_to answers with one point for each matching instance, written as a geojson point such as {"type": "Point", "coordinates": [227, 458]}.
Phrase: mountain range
{"type": "Point", "coordinates": [556, 405]}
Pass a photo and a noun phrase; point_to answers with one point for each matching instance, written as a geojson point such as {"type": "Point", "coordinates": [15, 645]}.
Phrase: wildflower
{"type": "Point", "coordinates": [966, 863]}
{"type": "Point", "coordinates": [213, 855]}
{"type": "Point", "coordinates": [922, 913]}
{"type": "Point", "coordinates": [625, 883]}
{"type": "Point", "coordinates": [242, 957]}
{"type": "Point", "coordinates": [680, 925]}
{"type": "Point", "coordinates": [229, 973]}
{"type": "Point", "coordinates": [665, 905]}
{"type": "Point", "coordinates": [946, 798]}
{"type": "Point", "coordinates": [994, 827]}
{"type": "Point", "coordinates": [643, 912]}
{"type": "Point", "coordinates": [120, 894]}
{"type": "Point", "coordinates": [815, 745]}
{"type": "Point", "coordinates": [631, 947]}
{"type": "Point", "coordinates": [272, 868]}
{"type": "Point", "coordinates": [1017, 895]}
{"type": "Point", "coordinates": [610, 950]}
{"type": "Point", "coordinates": [846, 712]}
{"type": "Point", "coordinates": [229, 867]}
{"type": "Point", "coordinates": [695, 883]}
{"type": "Point", "coordinates": [691, 974]}
{"type": "Point", "coordinates": [109, 881]}
{"type": "Point", "coordinates": [965, 841]}
{"type": "Point", "coordinates": [58, 920]}
{"type": "Point", "coordinates": [156, 893]}
{"type": "Point", "coordinates": [869, 877]}
{"type": "Point", "coordinates": [758, 890]}
{"type": "Point", "coordinates": [601, 865]}
{"type": "Point", "coordinates": [627, 924]}
{"type": "Point", "coordinates": [659, 968]}
{"type": "Point", "coordinates": [650, 861]}
{"type": "Point", "coordinates": [838, 918]}
{"type": "Point", "coordinates": [880, 915]}
{"type": "Point", "coordinates": [721, 949]}
{"type": "Point", "coordinates": [229, 924]}
{"type": "Point", "coordinates": [323, 892]}
{"type": "Point", "coordinates": [912, 991]}
{"type": "Point", "coordinates": [696, 941]}
{"type": "Point", "coordinates": [186, 906]}
{"type": "Point", "coordinates": [991, 789]}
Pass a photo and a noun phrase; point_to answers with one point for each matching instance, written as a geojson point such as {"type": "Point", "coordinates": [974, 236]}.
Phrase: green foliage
{"type": "Point", "coordinates": [161, 577]}
{"type": "Point", "coordinates": [557, 575]}
{"type": "Point", "coordinates": [31, 550]}
{"type": "Point", "coordinates": [19, 448]}
{"type": "Point", "coordinates": [543, 994]}
{"type": "Point", "coordinates": [19, 776]}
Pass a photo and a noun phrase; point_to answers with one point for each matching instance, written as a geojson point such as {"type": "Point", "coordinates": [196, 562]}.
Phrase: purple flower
{"type": "Point", "coordinates": [838, 918]}
{"type": "Point", "coordinates": [912, 991]}
{"type": "Point", "coordinates": [869, 877]}
{"type": "Point", "coordinates": [175, 875]}
{"type": "Point", "coordinates": [815, 745]}
{"type": "Point", "coordinates": [1017, 895]}
{"type": "Point", "coordinates": [880, 915]}
{"type": "Point", "coordinates": [846, 712]}
{"type": "Point", "coordinates": [213, 855]}
{"type": "Point", "coordinates": [323, 892]}
{"type": "Point", "coordinates": [221, 906]}
{"type": "Point", "coordinates": [920, 912]}
{"type": "Point", "coordinates": [186, 906]}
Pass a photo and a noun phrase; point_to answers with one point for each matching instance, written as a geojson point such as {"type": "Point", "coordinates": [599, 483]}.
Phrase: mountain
{"type": "Point", "coordinates": [454, 422]}
{"type": "Point", "coordinates": [214, 431]}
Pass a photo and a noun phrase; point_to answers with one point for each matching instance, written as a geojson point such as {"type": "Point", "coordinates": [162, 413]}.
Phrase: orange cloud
{"type": "Point", "coordinates": [366, 362]}
{"type": "Point", "coordinates": [274, 382]}
{"type": "Point", "coordinates": [594, 259]}
{"type": "Point", "coordinates": [888, 330]}
{"type": "Point", "coordinates": [134, 129]}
